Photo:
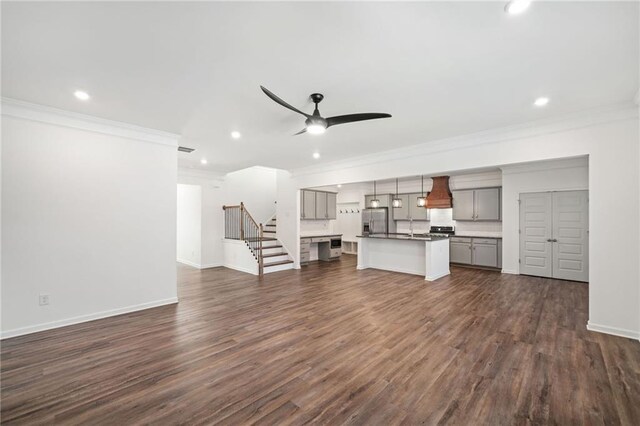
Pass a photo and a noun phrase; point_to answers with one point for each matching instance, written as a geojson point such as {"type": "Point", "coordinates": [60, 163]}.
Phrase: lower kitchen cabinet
{"type": "Point", "coordinates": [485, 252]}
{"type": "Point", "coordinates": [460, 250]}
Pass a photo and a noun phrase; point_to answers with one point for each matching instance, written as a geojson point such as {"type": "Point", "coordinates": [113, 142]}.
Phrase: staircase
{"type": "Point", "coordinates": [261, 240]}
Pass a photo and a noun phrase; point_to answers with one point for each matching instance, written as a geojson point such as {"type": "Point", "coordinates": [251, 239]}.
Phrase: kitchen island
{"type": "Point", "coordinates": [425, 256]}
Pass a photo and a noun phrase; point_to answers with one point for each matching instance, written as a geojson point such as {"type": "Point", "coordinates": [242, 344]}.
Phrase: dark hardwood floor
{"type": "Point", "coordinates": [329, 344]}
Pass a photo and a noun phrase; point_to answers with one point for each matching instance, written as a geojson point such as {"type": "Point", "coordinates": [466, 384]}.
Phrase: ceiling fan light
{"type": "Point", "coordinates": [422, 202]}
{"type": "Point", "coordinates": [316, 129]}
{"type": "Point", "coordinates": [375, 203]}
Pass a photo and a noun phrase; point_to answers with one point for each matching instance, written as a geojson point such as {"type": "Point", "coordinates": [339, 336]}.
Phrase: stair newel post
{"type": "Point", "coordinates": [261, 254]}
{"type": "Point", "coordinates": [241, 220]}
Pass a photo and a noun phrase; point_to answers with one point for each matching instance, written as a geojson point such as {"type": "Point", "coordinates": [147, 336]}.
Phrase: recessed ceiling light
{"type": "Point", "coordinates": [515, 7]}
{"type": "Point", "coordinates": [339, 186]}
{"type": "Point", "coordinates": [203, 161]}
{"type": "Point", "coordinates": [541, 101]}
{"type": "Point", "coordinates": [83, 96]}
{"type": "Point", "coordinates": [235, 134]}
{"type": "Point", "coordinates": [316, 155]}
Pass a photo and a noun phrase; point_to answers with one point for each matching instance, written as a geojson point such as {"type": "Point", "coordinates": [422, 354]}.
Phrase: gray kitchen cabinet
{"type": "Point", "coordinates": [487, 204]}
{"type": "Point", "coordinates": [415, 212]}
{"type": "Point", "coordinates": [484, 252]}
{"type": "Point", "coordinates": [476, 251]}
{"type": "Point", "coordinates": [460, 250]}
{"type": "Point", "coordinates": [385, 200]}
{"type": "Point", "coordinates": [476, 204]}
{"type": "Point", "coordinates": [318, 204]}
{"type": "Point", "coordinates": [332, 205]}
{"type": "Point", "coordinates": [404, 212]}
{"type": "Point", "coordinates": [321, 205]}
{"type": "Point", "coordinates": [308, 207]}
{"type": "Point", "coordinates": [463, 205]}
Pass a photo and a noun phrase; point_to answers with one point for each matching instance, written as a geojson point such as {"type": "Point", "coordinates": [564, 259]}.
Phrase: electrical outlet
{"type": "Point", "coordinates": [44, 299]}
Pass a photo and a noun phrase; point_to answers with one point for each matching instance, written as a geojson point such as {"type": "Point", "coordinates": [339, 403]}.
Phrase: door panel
{"type": "Point", "coordinates": [331, 206]}
{"type": "Point", "coordinates": [401, 213]}
{"type": "Point", "coordinates": [308, 204]}
{"type": "Point", "coordinates": [417, 213]}
{"type": "Point", "coordinates": [321, 205]}
{"type": "Point", "coordinates": [460, 252]}
{"type": "Point", "coordinates": [535, 230]}
{"type": "Point", "coordinates": [570, 229]}
{"type": "Point", "coordinates": [485, 254]}
{"type": "Point", "coordinates": [462, 205]}
{"type": "Point", "coordinates": [487, 204]}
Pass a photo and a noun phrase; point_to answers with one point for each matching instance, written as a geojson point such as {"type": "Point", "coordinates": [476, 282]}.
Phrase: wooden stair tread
{"type": "Point", "coordinates": [254, 240]}
{"type": "Point", "coordinates": [281, 262]}
{"type": "Point", "coordinates": [270, 247]}
{"type": "Point", "coordinates": [275, 254]}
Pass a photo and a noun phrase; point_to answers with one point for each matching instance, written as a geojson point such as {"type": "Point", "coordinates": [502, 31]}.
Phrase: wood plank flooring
{"type": "Point", "coordinates": [332, 345]}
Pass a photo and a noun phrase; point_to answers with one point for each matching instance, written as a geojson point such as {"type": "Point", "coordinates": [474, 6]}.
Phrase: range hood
{"type": "Point", "coordinates": [440, 196]}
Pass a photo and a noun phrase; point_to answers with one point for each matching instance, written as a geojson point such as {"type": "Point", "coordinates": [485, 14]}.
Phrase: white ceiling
{"type": "Point", "coordinates": [441, 69]}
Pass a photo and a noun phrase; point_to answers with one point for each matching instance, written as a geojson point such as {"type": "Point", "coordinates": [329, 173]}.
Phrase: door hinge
{"type": "Point", "coordinates": [519, 232]}
{"type": "Point", "coordinates": [519, 261]}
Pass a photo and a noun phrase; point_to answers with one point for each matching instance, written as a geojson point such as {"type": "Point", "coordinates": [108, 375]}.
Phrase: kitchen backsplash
{"type": "Point", "coordinates": [309, 227]}
{"type": "Point", "coordinates": [443, 217]}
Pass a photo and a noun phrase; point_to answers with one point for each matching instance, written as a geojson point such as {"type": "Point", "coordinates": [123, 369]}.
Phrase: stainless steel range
{"type": "Point", "coordinates": [441, 231]}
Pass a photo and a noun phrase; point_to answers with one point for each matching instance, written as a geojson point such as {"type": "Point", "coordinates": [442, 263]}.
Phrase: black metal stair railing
{"type": "Point", "coordinates": [240, 225]}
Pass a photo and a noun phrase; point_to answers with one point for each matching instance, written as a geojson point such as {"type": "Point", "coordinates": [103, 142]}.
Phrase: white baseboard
{"type": "Point", "coordinates": [187, 262]}
{"type": "Point", "coordinates": [621, 332]}
{"type": "Point", "coordinates": [241, 269]}
{"type": "Point", "coordinates": [197, 265]}
{"type": "Point", "coordinates": [510, 271]}
{"type": "Point", "coordinates": [211, 265]}
{"type": "Point", "coordinates": [84, 318]}
{"type": "Point", "coordinates": [435, 277]}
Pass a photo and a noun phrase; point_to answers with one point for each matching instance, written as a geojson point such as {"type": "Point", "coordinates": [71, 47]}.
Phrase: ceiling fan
{"type": "Point", "coordinates": [315, 123]}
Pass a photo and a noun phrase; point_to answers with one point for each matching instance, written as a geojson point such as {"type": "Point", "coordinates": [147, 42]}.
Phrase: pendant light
{"type": "Point", "coordinates": [397, 201]}
{"type": "Point", "coordinates": [374, 203]}
{"type": "Point", "coordinates": [422, 200]}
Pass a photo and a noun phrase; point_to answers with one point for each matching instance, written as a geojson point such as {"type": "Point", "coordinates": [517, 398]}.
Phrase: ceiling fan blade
{"type": "Point", "coordinates": [300, 132]}
{"type": "Point", "coordinates": [350, 118]}
{"type": "Point", "coordinates": [281, 102]}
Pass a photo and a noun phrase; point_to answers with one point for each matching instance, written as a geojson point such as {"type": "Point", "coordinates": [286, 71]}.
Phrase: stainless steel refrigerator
{"type": "Point", "coordinates": [377, 221]}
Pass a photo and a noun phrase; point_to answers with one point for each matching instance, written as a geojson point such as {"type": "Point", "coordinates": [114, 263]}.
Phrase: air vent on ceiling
{"type": "Point", "coordinates": [185, 149]}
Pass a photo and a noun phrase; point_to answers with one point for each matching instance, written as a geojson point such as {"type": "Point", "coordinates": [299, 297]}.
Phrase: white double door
{"type": "Point", "coordinates": [554, 234]}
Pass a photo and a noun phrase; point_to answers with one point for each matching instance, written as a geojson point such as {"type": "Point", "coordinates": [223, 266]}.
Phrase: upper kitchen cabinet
{"type": "Point", "coordinates": [385, 200]}
{"type": "Point", "coordinates": [321, 205]}
{"type": "Point", "coordinates": [415, 212]}
{"type": "Point", "coordinates": [307, 204]}
{"type": "Point", "coordinates": [476, 204]}
{"type": "Point", "coordinates": [487, 204]}
{"type": "Point", "coordinates": [404, 212]}
{"type": "Point", "coordinates": [463, 205]}
{"type": "Point", "coordinates": [332, 205]}
{"type": "Point", "coordinates": [318, 205]}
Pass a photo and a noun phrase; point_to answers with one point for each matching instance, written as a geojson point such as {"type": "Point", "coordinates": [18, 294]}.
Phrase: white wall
{"type": "Point", "coordinates": [211, 214]}
{"type": "Point", "coordinates": [288, 213]}
{"type": "Point", "coordinates": [608, 136]}
{"type": "Point", "coordinates": [562, 175]}
{"type": "Point", "coordinates": [88, 218]}
{"type": "Point", "coordinates": [189, 225]}
{"type": "Point", "coordinates": [256, 187]}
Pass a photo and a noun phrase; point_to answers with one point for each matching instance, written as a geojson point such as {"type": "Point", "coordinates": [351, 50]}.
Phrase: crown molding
{"type": "Point", "coordinates": [582, 119]}
{"type": "Point", "coordinates": [197, 175]}
{"type": "Point", "coordinates": [44, 114]}
{"type": "Point", "coordinates": [568, 163]}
